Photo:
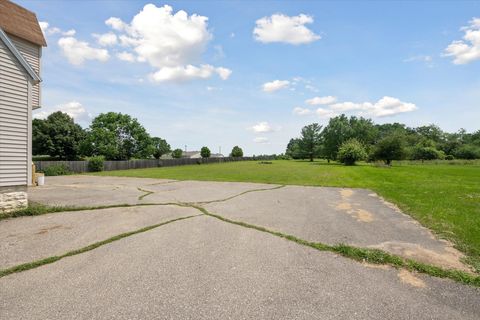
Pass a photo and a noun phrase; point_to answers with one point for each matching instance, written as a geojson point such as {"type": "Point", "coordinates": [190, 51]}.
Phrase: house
{"type": "Point", "coordinates": [196, 155]}
{"type": "Point", "coordinates": [21, 42]}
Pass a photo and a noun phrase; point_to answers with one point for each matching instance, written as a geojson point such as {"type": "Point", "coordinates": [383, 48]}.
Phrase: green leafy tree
{"type": "Point", "coordinates": [426, 153]}
{"type": "Point", "coordinates": [310, 140]}
{"type": "Point", "coordinates": [118, 136]}
{"type": "Point", "coordinates": [294, 150]}
{"type": "Point", "coordinates": [351, 151]}
{"type": "Point", "coordinates": [335, 133]}
{"type": "Point", "coordinates": [237, 152]}
{"type": "Point", "coordinates": [468, 151]}
{"type": "Point", "coordinates": [57, 136]}
{"type": "Point", "coordinates": [205, 152]}
{"type": "Point", "coordinates": [160, 147]}
{"type": "Point", "coordinates": [391, 147]}
{"type": "Point", "coordinates": [177, 153]}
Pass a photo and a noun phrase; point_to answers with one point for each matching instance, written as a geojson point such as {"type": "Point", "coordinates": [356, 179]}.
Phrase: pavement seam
{"type": "Point", "coordinates": [52, 259]}
{"type": "Point", "coordinates": [363, 255]}
{"type": "Point", "coordinates": [147, 193]}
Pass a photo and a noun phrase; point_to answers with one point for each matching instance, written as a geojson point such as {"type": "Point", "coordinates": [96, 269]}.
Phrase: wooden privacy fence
{"type": "Point", "coordinates": [82, 166]}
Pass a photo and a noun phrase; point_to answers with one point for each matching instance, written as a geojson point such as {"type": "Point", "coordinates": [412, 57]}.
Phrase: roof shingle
{"type": "Point", "coordinates": [20, 22]}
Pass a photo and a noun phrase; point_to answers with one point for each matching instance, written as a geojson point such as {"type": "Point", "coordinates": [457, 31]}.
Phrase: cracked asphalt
{"type": "Point", "coordinates": [204, 268]}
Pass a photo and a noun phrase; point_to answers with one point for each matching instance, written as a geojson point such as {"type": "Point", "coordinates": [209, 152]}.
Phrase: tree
{"type": "Point", "coordinates": [236, 152]}
{"type": "Point", "coordinates": [335, 133]}
{"type": "Point", "coordinates": [177, 153]}
{"type": "Point", "coordinates": [118, 136]}
{"type": "Point", "coordinates": [205, 152]}
{"type": "Point", "coordinates": [160, 147]}
{"type": "Point", "coordinates": [310, 140]}
{"type": "Point", "coordinates": [294, 150]}
{"type": "Point", "coordinates": [426, 153]}
{"type": "Point", "coordinates": [57, 136]}
{"type": "Point", "coordinates": [391, 147]}
{"type": "Point", "coordinates": [351, 151]}
{"type": "Point", "coordinates": [468, 151]}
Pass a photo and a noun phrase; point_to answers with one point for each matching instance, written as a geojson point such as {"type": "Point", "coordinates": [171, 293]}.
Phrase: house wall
{"type": "Point", "coordinates": [32, 53]}
{"type": "Point", "coordinates": [14, 121]}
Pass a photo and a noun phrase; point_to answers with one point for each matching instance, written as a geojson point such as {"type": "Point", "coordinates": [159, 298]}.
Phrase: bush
{"type": "Point", "coordinates": [467, 152]}
{"type": "Point", "coordinates": [57, 170]}
{"type": "Point", "coordinates": [177, 153]}
{"type": "Point", "coordinates": [236, 152]}
{"type": "Point", "coordinates": [427, 153]}
{"type": "Point", "coordinates": [449, 157]}
{"type": "Point", "coordinates": [95, 164]}
{"type": "Point", "coordinates": [205, 152]}
{"type": "Point", "coordinates": [351, 151]}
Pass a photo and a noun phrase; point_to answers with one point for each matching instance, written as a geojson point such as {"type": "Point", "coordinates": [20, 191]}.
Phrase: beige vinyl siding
{"type": "Point", "coordinates": [13, 121]}
{"type": "Point", "coordinates": [32, 53]}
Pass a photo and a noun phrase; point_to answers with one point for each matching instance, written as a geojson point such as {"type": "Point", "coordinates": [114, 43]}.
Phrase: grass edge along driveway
{"type": "Point", "coordinates": [442, 197]}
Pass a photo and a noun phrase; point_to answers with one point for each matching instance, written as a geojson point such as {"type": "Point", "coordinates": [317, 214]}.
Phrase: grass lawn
{"type": "Point", "coordinates": [444, 198]}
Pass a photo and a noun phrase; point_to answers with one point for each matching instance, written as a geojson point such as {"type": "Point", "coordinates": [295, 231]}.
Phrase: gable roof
{"type": "Point", "coordinates": [10, 46]}
{"type": "Point", "coordinates": [20, 22]}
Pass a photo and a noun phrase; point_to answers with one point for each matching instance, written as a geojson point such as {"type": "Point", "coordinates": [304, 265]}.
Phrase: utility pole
{"type": "Point", "coordinates": [185, 148]}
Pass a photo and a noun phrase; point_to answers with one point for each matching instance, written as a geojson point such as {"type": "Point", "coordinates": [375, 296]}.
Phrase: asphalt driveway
{"type": "Point", "coordinates": [193, 266]}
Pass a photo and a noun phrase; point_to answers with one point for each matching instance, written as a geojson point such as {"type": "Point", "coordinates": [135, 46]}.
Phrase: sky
{"type": "Point", "coordinates": [252, 73]}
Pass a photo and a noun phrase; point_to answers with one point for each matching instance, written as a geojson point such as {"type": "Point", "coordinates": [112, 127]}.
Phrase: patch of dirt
{"type": "Point", "coordinates": [375, 266]}
{"type": "Point", "coordinates": [346, 193]}
{"type": "Point", "coordinates": [409, 278]}
{"type": "Point", "coordinates": [344, 206]}
{"type": "Point", "coordinates": [449, 258]}
{"type": "Point", "coordinates": [364, 215]}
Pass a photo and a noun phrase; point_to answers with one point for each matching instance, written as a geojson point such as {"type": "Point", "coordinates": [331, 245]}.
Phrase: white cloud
{"type": "Point", "coordinates": [44, 26]}
{"type": "Point", "coordinates": [302, 111]}
{"type": "Point", "coordinates": [47, 30]}
{"type": "Point", "coordinates": [466, 50]}
{"type": "Point", "coordinates": [78, 51]}
{"type": "Point", "coordinates": [223, 73]}
{"type": "Point", "coordinates": [282, 28]}
{"type": "Point", "coordinates": [116, 24]}
{"type": "Point", "coordinates": [73, 108]}
{"type": "Point", "coordinates": [262, 127]}
{"type": "Point", "coordinates": [325, 113]}
{"type": "Point", "coordinates": [321, 100]}
{"type": "Point", "coordinates": [261, 140]}
{"type": "Point", "coordinates": [428, 60]}
{"type": "Point", "coordinates": [275, 85]}
{"type": "Point", "coordinates": [106, 39]}
{"type": "Point", "coordinates": [386, 106]}
{"type": "Point", "coordinates": [126, 56]}
{"type": "Point", "coordinates": [69, 33]}
{"type": "Point", "coordinates": [171, 42]}
{"type": "Point", "coordinates": [189, 72]}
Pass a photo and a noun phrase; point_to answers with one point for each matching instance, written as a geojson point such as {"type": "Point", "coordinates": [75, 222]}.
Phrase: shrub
{"type": "Point", "coordinates": [427, 153]}
{"type": "Point", "coordinates": [351, 151]}
{"type": "Point", "coordinates": [177, 153]}
{"type": "Point", "coordinates": [449, 157]}
{"type": "Point", "coordinates": [205, 152]}
{"type": "Point", "coordinates": [236, 152]}
{"type": "Point", "coordinates": [57, 170]}
{"type": "Point", "coordinates": [95, 164]}
{"type": "Point", "coordinates": [467, 152]}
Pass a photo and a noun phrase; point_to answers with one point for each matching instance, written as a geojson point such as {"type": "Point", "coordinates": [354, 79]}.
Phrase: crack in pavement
{"type": "Point", "coordinates": [237, 195]}
{"type": "Point", "coordinates": [147, 193]}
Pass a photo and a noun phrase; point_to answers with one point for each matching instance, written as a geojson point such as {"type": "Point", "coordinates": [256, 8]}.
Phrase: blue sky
{"type": "Point", "coordinates": [196, 81]}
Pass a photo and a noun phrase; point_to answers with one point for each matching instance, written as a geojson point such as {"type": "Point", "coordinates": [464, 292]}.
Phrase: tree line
{"type": "Point", "coordinates": [356, 138]}
{"type": "Point", "coordinates": [112, 135]}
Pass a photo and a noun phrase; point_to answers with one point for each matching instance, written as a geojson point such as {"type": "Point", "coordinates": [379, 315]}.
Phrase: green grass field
{"type": "Point", "coordinates": [443, 197]}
